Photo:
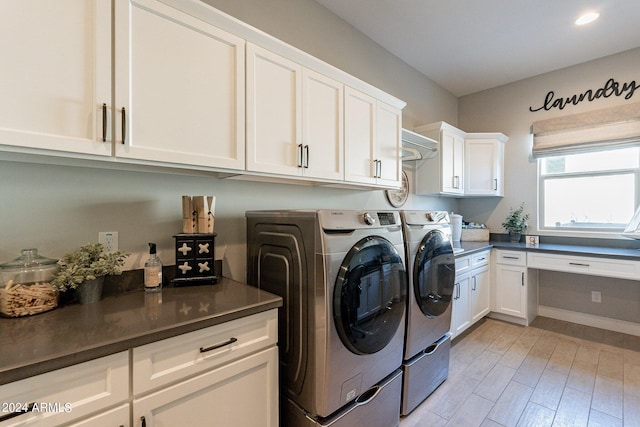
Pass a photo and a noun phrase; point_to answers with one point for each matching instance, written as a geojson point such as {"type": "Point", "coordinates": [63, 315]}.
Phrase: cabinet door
{"type": "Point", "coordinates": [56, 75]}
{"type": "Point", "coordinates": [242, 393]}
{"type": "Point", "coordinates": [274, 117]}
{"type": "Point", "coordinates": [483, 167]}
{"type": "Point", "coordinates": [479, 293]}
{"type": "Point", "coordinates": [322, 127]}
{"type": "Point", "coordinates": [359, 129]}
{"type": "Point", "coordinates": [452, 158]}
{"type": "Point", "coordinates": [179, 88]}
{"type": "Point", "coordinates": [388, 140]}
{"type": "Point", "coordinates": [511, 290]}
{"type": "Point", "coordinates": [461, 308]}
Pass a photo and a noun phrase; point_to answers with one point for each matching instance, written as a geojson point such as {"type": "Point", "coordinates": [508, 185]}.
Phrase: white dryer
{"type": "Point", "coordinates": [342, 277]}
{"type": "Point", "coordinates": [431, 273]}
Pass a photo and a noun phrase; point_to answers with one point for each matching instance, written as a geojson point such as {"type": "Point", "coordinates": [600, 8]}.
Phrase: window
{"type": "Point", "coordinates": [589, 192]}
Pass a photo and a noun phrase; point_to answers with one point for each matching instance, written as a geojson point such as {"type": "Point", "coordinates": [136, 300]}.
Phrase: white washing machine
{"type": "Point", "coordinates": [342, 277]}
{"type": "Point", "coordinates": [431, 271]}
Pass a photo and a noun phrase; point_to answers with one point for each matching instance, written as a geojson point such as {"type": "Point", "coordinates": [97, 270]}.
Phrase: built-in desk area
{"type": "Point", "coordinates": [591, 285]}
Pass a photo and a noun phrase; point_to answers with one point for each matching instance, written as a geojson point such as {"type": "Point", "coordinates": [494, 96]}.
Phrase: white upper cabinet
{"type": "Point", "coordinates": [372, 140]}
{"type": "Point", "coordinates": [484, 164]}
{"type": "Point", "coordinates": [452, 162]}
{"type": "Point", "coordinates": [322, 127]}
{"type": "Point", "coordinates": [468, 164]}
{"type": "Point", "coordinates": [177, 83]}
{"type": "Point", "coordinates": [388, 144]}
{"type": "Point", "coordinates": [179, 88]}
{"type": "Point", "coordinates": [294, 118]}
{"type": "Point", "coordinates": [445, 173]}
{"type": "Point", "coordinates": [359, 122]}
{"type": "Point", "coordinates": [274, 113]}
{"type": "Point", "coordinates": [56, 75]}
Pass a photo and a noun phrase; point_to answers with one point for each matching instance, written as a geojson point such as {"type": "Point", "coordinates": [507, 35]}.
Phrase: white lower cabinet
{"type": "Point", "coordinates": [223, 375]}
{"type": "Point", "coordinates": [471, 291]}
{"type": "Point", "coordinates": [69, 394]}
{"type": "Point", "coordinates": [515, 296]}
{"type": "Point", "coordinates": [243, 393]}
{"type": "Point", "coordinates": [479, 291]}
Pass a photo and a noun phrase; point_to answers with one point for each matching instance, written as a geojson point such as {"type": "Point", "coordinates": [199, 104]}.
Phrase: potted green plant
{"type": "Point", "coordinates": [516, 223]}
{"type": "Point", "coordinates": [85, 269]}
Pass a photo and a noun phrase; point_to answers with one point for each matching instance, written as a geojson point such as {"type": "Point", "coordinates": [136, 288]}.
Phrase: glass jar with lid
{"type": "Point", "coordinates": [25, 285]}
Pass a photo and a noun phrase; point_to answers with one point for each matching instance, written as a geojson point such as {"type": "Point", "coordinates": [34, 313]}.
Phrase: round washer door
{"type": "Point", "coordinates": [369, 295]}
{"type": "Point", "coordinates": [434, 274]}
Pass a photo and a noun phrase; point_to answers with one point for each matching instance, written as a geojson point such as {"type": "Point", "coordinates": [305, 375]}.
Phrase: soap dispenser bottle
{"type": "Point", "coordinates": [153, 271]}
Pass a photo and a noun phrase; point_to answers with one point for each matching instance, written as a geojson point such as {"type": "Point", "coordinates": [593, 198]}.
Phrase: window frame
{"type": "Point", "coordinates": [597, 232]}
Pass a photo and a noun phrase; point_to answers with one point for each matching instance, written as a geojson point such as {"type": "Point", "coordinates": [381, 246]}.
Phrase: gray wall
{"type": "Point", "coordinates": [58, 208]}
{"type": "Point", "coordinates": [506, 109]}
{"type": "Point", "coordinates": [620, 298]}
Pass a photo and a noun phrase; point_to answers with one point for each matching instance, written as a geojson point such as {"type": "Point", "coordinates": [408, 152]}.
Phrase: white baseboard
{"type": "Point", "coordinates": [507, 318]}
{"type": "Point", "coordinates": [607, 323]}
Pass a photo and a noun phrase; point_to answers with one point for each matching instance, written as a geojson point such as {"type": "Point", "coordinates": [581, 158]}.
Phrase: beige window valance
{"type": "Point", "coordinates": [614, 127]}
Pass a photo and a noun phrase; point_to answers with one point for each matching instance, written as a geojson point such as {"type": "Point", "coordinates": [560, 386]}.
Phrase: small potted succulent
{"type": "Point", "coordinates": [516, 223]}
{"type": "Point", "coordinates": [85, 269]}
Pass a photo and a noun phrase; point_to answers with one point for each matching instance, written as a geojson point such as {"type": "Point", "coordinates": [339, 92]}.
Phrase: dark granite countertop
{"type": "Point", "coordinates": [564, 249]}
{"type": "Point", "coordinates": [77, 333]}
{"type": "Point", "coordinates": [580, 250]}
{"type": "Point", "coordinates": [470, 247]}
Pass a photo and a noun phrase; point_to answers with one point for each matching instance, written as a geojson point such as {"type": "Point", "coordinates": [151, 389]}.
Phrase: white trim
{"type": "Point", "coordinates": [506, 318]}
{"type": "Point", "coordinates": [608, 323]}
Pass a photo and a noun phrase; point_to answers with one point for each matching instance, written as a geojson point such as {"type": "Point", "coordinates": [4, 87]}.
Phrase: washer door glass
{"type": "Point", "coordinates": [434, 274]}
{"type": "Point", "coordinates": [369, 295]}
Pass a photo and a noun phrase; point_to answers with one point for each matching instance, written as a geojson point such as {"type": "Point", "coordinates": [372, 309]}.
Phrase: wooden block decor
{"type": "Point", "coordinates": [198, 214]}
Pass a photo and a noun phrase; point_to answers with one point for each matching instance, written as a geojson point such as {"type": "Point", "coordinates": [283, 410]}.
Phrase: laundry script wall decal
{"type": "Point", "coordinates": [610, 88]}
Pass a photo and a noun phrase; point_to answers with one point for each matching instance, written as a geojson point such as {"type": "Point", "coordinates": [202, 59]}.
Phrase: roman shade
{"type": "Point", "coordinates": [614, 127]}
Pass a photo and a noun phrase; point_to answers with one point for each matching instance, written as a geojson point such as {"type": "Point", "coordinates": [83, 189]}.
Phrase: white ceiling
{"type": "Point", "coordinates": [467, 46]}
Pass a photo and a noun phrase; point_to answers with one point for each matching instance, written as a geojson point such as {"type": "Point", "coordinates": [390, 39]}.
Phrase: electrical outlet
{"type": "Point", "coordinates": [596, 296]}
{"type": "Point", "coordinates": [109, 240]}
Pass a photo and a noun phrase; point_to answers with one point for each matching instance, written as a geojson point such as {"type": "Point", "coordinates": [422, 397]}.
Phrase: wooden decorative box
{"type": "Point", "coordinates": [195, 256]}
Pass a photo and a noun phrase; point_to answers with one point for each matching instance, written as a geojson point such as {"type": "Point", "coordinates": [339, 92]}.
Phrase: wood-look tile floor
{"type": "Point", "coordinates": [551, 373]}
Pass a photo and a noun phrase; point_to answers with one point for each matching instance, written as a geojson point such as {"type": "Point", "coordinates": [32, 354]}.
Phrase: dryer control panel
{"type": "Point", "coordinates": [345, 220]}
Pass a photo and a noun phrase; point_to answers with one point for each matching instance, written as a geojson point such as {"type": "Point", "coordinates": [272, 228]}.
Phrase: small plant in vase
{"type": "Point", "coordinates": [516, 223]}
{"type": "Point", "coordinates": [85, 269]}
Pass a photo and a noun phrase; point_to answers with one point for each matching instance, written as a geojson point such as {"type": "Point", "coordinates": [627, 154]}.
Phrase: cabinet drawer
{"type": "Point", "coordinates": [68, 394]}
{"type": "Point", "coordinates": [607, 267]}
{"type": "Point", "coordinates": [167, 361]}
{"type": "Point", "coordinates": [118, 416]}
{"type": "Point", "coordinates": [511, 257]}
{"type": "Point", "coordinates": [463, 264]}
{"type": "Point", "coordinates": [480, 259]}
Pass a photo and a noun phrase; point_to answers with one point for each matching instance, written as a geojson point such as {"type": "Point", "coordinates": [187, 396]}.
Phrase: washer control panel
{"type": "Point", "coordinates": [345, 220]}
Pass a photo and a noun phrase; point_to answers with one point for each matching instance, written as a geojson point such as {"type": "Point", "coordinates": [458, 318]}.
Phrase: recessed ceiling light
{"type": "Point", "coordinates": [587, 18]}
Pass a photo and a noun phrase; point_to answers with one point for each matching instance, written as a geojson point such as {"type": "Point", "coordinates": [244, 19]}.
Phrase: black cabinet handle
{"type": "Point", "coordinates": [143, 421]}
{"type": "Point", "coordinates": [124, 124]}
{"type": "Point", "coordinates": [213, 347]}
{"type": "Point", "coordinates": [300, 156]}
{"type": "Point", "coordinates": [306, 156]}
{"type": "Point", "coordinates": [104, 122]}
